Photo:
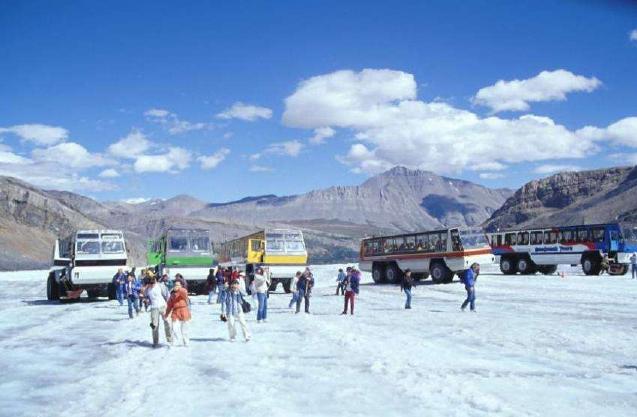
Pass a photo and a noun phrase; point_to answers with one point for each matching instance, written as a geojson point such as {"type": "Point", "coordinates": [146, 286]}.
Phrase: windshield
{"type": "Point", "coordinates": [296, 246]}
{"type": "Point", "coordinates": [88, 247]}
{"type": "Point", "coordinates": [113, 247]}
{"type": "Point", "coordinates": [274, 245]}
{"type": "Point", "coordinates": [284, 241]}
{"type": "Point", "coordinates": [200, 244]}
{"type": "Point", "coordinates": [178, 244]}
{"type": "Point", "coordinates": [472, 239]}
{"type": "Point", "coordinates": [629, 233]}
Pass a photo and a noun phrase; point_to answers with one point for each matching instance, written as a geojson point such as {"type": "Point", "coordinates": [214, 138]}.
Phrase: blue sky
{"type": "Point", "coordinates": [222, 100]}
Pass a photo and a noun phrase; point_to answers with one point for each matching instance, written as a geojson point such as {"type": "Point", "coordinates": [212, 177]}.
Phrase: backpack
{"type": "Point", "coordinates": [463, 276]}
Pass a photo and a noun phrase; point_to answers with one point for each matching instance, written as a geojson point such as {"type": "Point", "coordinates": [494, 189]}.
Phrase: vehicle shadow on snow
{"type": "Point", "coordinates": [112, 320]}
{"type": "Point", "coordinates": [62, 302]}
{"type": "Point", "coordinates": [128, 342]}
{"type": "Point", "coordinates": [203, 339]}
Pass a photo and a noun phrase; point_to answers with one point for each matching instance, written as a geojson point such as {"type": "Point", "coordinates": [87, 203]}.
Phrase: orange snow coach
{"type": "Point", "coordinates": [438, 253]}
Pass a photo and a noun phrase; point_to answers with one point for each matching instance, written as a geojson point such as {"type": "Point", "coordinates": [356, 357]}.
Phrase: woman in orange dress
{"type": "Point", "coordinates": [179, 313]}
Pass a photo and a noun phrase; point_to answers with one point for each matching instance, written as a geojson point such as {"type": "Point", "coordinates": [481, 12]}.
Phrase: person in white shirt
{"type": "Point", "coordinates": [156, 295]}
{"type": "Point", "coordinates": [261, 285]}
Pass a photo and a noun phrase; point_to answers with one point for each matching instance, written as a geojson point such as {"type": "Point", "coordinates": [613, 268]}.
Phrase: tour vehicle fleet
{"type": "Point", "coordinates": [86, 260]}
{"type": "Point", "coordinates": [438, 253]}
{"type": "Point", "coordinates": [188, 252]}
{"type": "Point", "coordinates": [542, 249]}
{"type": "Point", "coordinates": [281, 251]}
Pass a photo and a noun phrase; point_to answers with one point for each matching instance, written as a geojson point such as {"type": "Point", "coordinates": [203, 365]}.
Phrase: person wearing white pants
{"type": "Point", "coordinates": [179, 312]}
{"type": "Point", "coordinates": [232, 312]}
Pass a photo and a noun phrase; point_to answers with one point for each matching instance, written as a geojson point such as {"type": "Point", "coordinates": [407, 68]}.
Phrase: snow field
{"type": "Point", "coordinates": [538, 346]}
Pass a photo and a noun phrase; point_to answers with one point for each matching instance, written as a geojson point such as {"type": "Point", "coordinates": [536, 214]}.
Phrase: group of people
{"type": "Point", "coordinates": [169, 304]}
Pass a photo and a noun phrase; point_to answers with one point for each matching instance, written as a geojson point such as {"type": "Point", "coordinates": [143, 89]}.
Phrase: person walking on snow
{"type": "Point", "coordinates": [295, 291]}
{"type": "Point", "coordinates": [232, 311]}
{"type": "Point", "coordinates": [212, 284]}
{"type": "Point", "coordinates": [119, 282]}
{"type": "Point", "coordinates": [469, 279]}
{"type": "Point", "coordinates": [131, 289]}
{"type": "Point", "coordinates": [633, 263]}
{"type": "Point", "coordinates": [339, 279]}
{"type": "Point", "coordinates": [406, 285]}
{"type": "Point", "coordinates": [157, 293]}
{"type": "Point", "coordinates": [261, 285]}
{"type": "Point", "coordinates": [351, 289]}
{"type": "Point", "coordinates": [219, 277]}
{"type": "Point", "coordinates": [304, 287]}
{"type": "Point", "coordinates": [179, 313]}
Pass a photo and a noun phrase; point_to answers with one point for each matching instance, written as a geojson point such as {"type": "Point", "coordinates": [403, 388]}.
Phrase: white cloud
{"type": "Point", "coordinates": [487, 166]}
{"type": "Point", "coordinates": [38, 133]}
{"type": "Point", "coordinates": [246, 112]}
{"type": "Point", "coordinates": [516, 95]}
{"type": "Point", "coordinates": [70, 154]}
{"type": "Point", "coordinates": [136, 200]}
{"type": "Point", "coordinates": [633, 35]}
{"type": "Point", "coordinates": [260, 168]}
{"type": "Point", "coordinates": [8, 157]}
{"type": "Point", "coordinates": [211, 161]}
{"type": "Point", "coordinates": [171, 122]}
{"type": "Point", "coordinates": [321, 134]}
{"type": "Point", "coordinates": [622, 132]}
{"type": "Point", "coordinates": [491, 175]}
{"type": "Point", "coordinates": [552, 168]}
{"type": "Point", "coordinates": [255, 156]}
{"type": "Point", "coordinates": [393, 128]}
{"type": "Point", "coordinates": [176, 159]}
{"type": "Point", "coordinates": [109, 173]}
{"type": "Point", "coordinates": [289, 148]}
{"type": "Point", "coordinates": [130, 146]}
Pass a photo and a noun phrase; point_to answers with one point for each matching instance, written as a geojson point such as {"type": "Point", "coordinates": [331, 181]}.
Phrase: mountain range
{"type": "Point", "coordinates": [333, 219]}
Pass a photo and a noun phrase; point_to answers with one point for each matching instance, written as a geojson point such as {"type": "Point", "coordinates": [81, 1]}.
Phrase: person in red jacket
{"type": "Point", "coordinates": [179, 313]}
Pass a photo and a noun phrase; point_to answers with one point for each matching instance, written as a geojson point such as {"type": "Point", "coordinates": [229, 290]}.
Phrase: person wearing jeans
{"type": "Point", "coordinates": [261, 284]}
{"type": "Point", "coordinates": [469, 279]}
{"type": "Point", "coordinates": [304, 287]}
{"type": "Point", "coordinates": [295, 292]}
{"type": "Point", "coordinates": [132, 295]}
{"type": "Point", "coordinates": [405, 285]}
{"type": "Point", "coordinates": [633, 264]}
{"type": "Point", "coordinates": [232, 312]}
{"type": "Point", "coordinates": [119, 281]}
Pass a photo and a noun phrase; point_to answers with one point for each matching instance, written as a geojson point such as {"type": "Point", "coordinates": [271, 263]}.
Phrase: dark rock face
{"type": "Point", "coordinates": [596, 196]}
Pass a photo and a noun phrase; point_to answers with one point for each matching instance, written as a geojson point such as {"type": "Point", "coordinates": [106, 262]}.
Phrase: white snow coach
{"type": "Point", "coordinates": [86, 261]}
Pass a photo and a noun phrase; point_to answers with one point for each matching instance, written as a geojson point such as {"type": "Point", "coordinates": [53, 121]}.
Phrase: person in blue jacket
{"type": "Point", "coordinates": [131, 290]}
{"type": "Point", "coordinates": [119, 282]}
{"type": "Point", "coordinates": [469, 279]}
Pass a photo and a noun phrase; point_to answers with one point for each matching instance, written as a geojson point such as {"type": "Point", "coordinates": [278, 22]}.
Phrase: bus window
{"type": "Point", "coordinates": [256, 245]}
{"type": "Point", "coordinates": [566, 236]}
{"type": "Point", "coordinates": [582, 235]}
{"type": "Point", "coordinates": [410, 242]}
{"type": "Point", "coordinates": [523, 238]}
{"type": "Point", "coordinates": [421, 242]}
{"type": "Point", "coordinates": [598, 234]}
{"type": "Point", "coordinates": [536, 238]}
{"type": "Point", "coordinates": [456, 246]}
{"type": "Point", "coordinates": [178, 244]}
{"type": "Point", "coordinates": [510, 239]}
{"type": "Point", "coordinates": [442, 244]}
{"type": "Point", "coordinates": [200, 244]}
{"type": "Point", "coordinates": [550, 238]}
{"type": "Point", "coordinates": [499, 240]}
{"type": "Point", "coordinates": [434, 242]}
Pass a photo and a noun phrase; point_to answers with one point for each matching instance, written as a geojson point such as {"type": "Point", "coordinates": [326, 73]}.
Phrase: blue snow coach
{"type": "Point", "coordinates": [594, 246]}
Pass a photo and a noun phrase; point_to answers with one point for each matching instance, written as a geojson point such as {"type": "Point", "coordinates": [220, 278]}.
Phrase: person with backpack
{"type": "Point", "coordinates": [406, 285]}
{"type": "Point", "coordinates": [351, 289]}
{"type": "Point", "coordinates": [212, 284]}
{"type": "Point", "coordinates": [340, 279]}
{"type": "Point", "coordinates": [157, 293]}
{"type": "Point", "coordinates": [469, 280]}
{"type": "Point", "coordinates": [177, 309]}
{"type": "Point", "coordinates": [261, 285]}
{"type": "Point", "coordinates": [232, 311]}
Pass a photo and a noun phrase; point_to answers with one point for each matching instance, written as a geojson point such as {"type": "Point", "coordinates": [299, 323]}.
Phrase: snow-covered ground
{"type": "Point", "coordinates": [538, 346]}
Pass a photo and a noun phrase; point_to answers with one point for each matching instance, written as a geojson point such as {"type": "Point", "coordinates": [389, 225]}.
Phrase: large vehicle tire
{"type": "Point", "coordinates": [591, 265]}
{"type": "Point", "coordinates": [547, 269]}
{"type": "Point", "coordinates": [112, 293]}
{"type": "Point", "coordinates": [52, 288]}
{"type": "Point", "coordinates": [273, 285]}
{"type": "Point", "coordinates": [507, 265]}
{"type": "Point", "coordinates": [393, 274]}
{"type": "Point", "coordinates": [440, 273]}
{"type": "Point", "coordinates": [525, 266]}
{"type": "Point", "coordinates": [378, 273]}
{"type": "Point", "coordinates": [287, 284]}
{"type": "Point", "coordinates": [620, 270]}
{"type": "Point", "coordinates": [93, 293]}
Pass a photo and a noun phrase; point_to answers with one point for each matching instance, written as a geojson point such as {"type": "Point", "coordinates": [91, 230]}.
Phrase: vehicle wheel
{"type": "Point", "coordinates": [547, 269]}
{"type": "Point", "coordinates": [591, 266]}
{"type": "Point", "coordinates": [620, 270]}
{"type": "Point", "coordinates": [378, 273]}
{"type": "Point", "coordinates": [393, 274]}
{"type": "Point", "coordinates": [92, 293]}
{"type": "Point", "coordinates": [52, 288]}
{"type": "Point", "coordinates": [273, 286]}
{"type": "Point", "coordinates": [449, 277]}
{"type": "Point", "coordinates": [439, 273]}
{"type": "Point", "coordinates": [507, 266]}
{"type": "Point", "coordinates": [286, 286]}
{"type": "Point", "coordinates": [112, 294]}
{"type": "Point", "coordinates": [525, 266]}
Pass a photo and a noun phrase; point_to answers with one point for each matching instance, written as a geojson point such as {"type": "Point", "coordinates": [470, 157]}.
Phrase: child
{"type": "Point", "coordinates": [232, 311]}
